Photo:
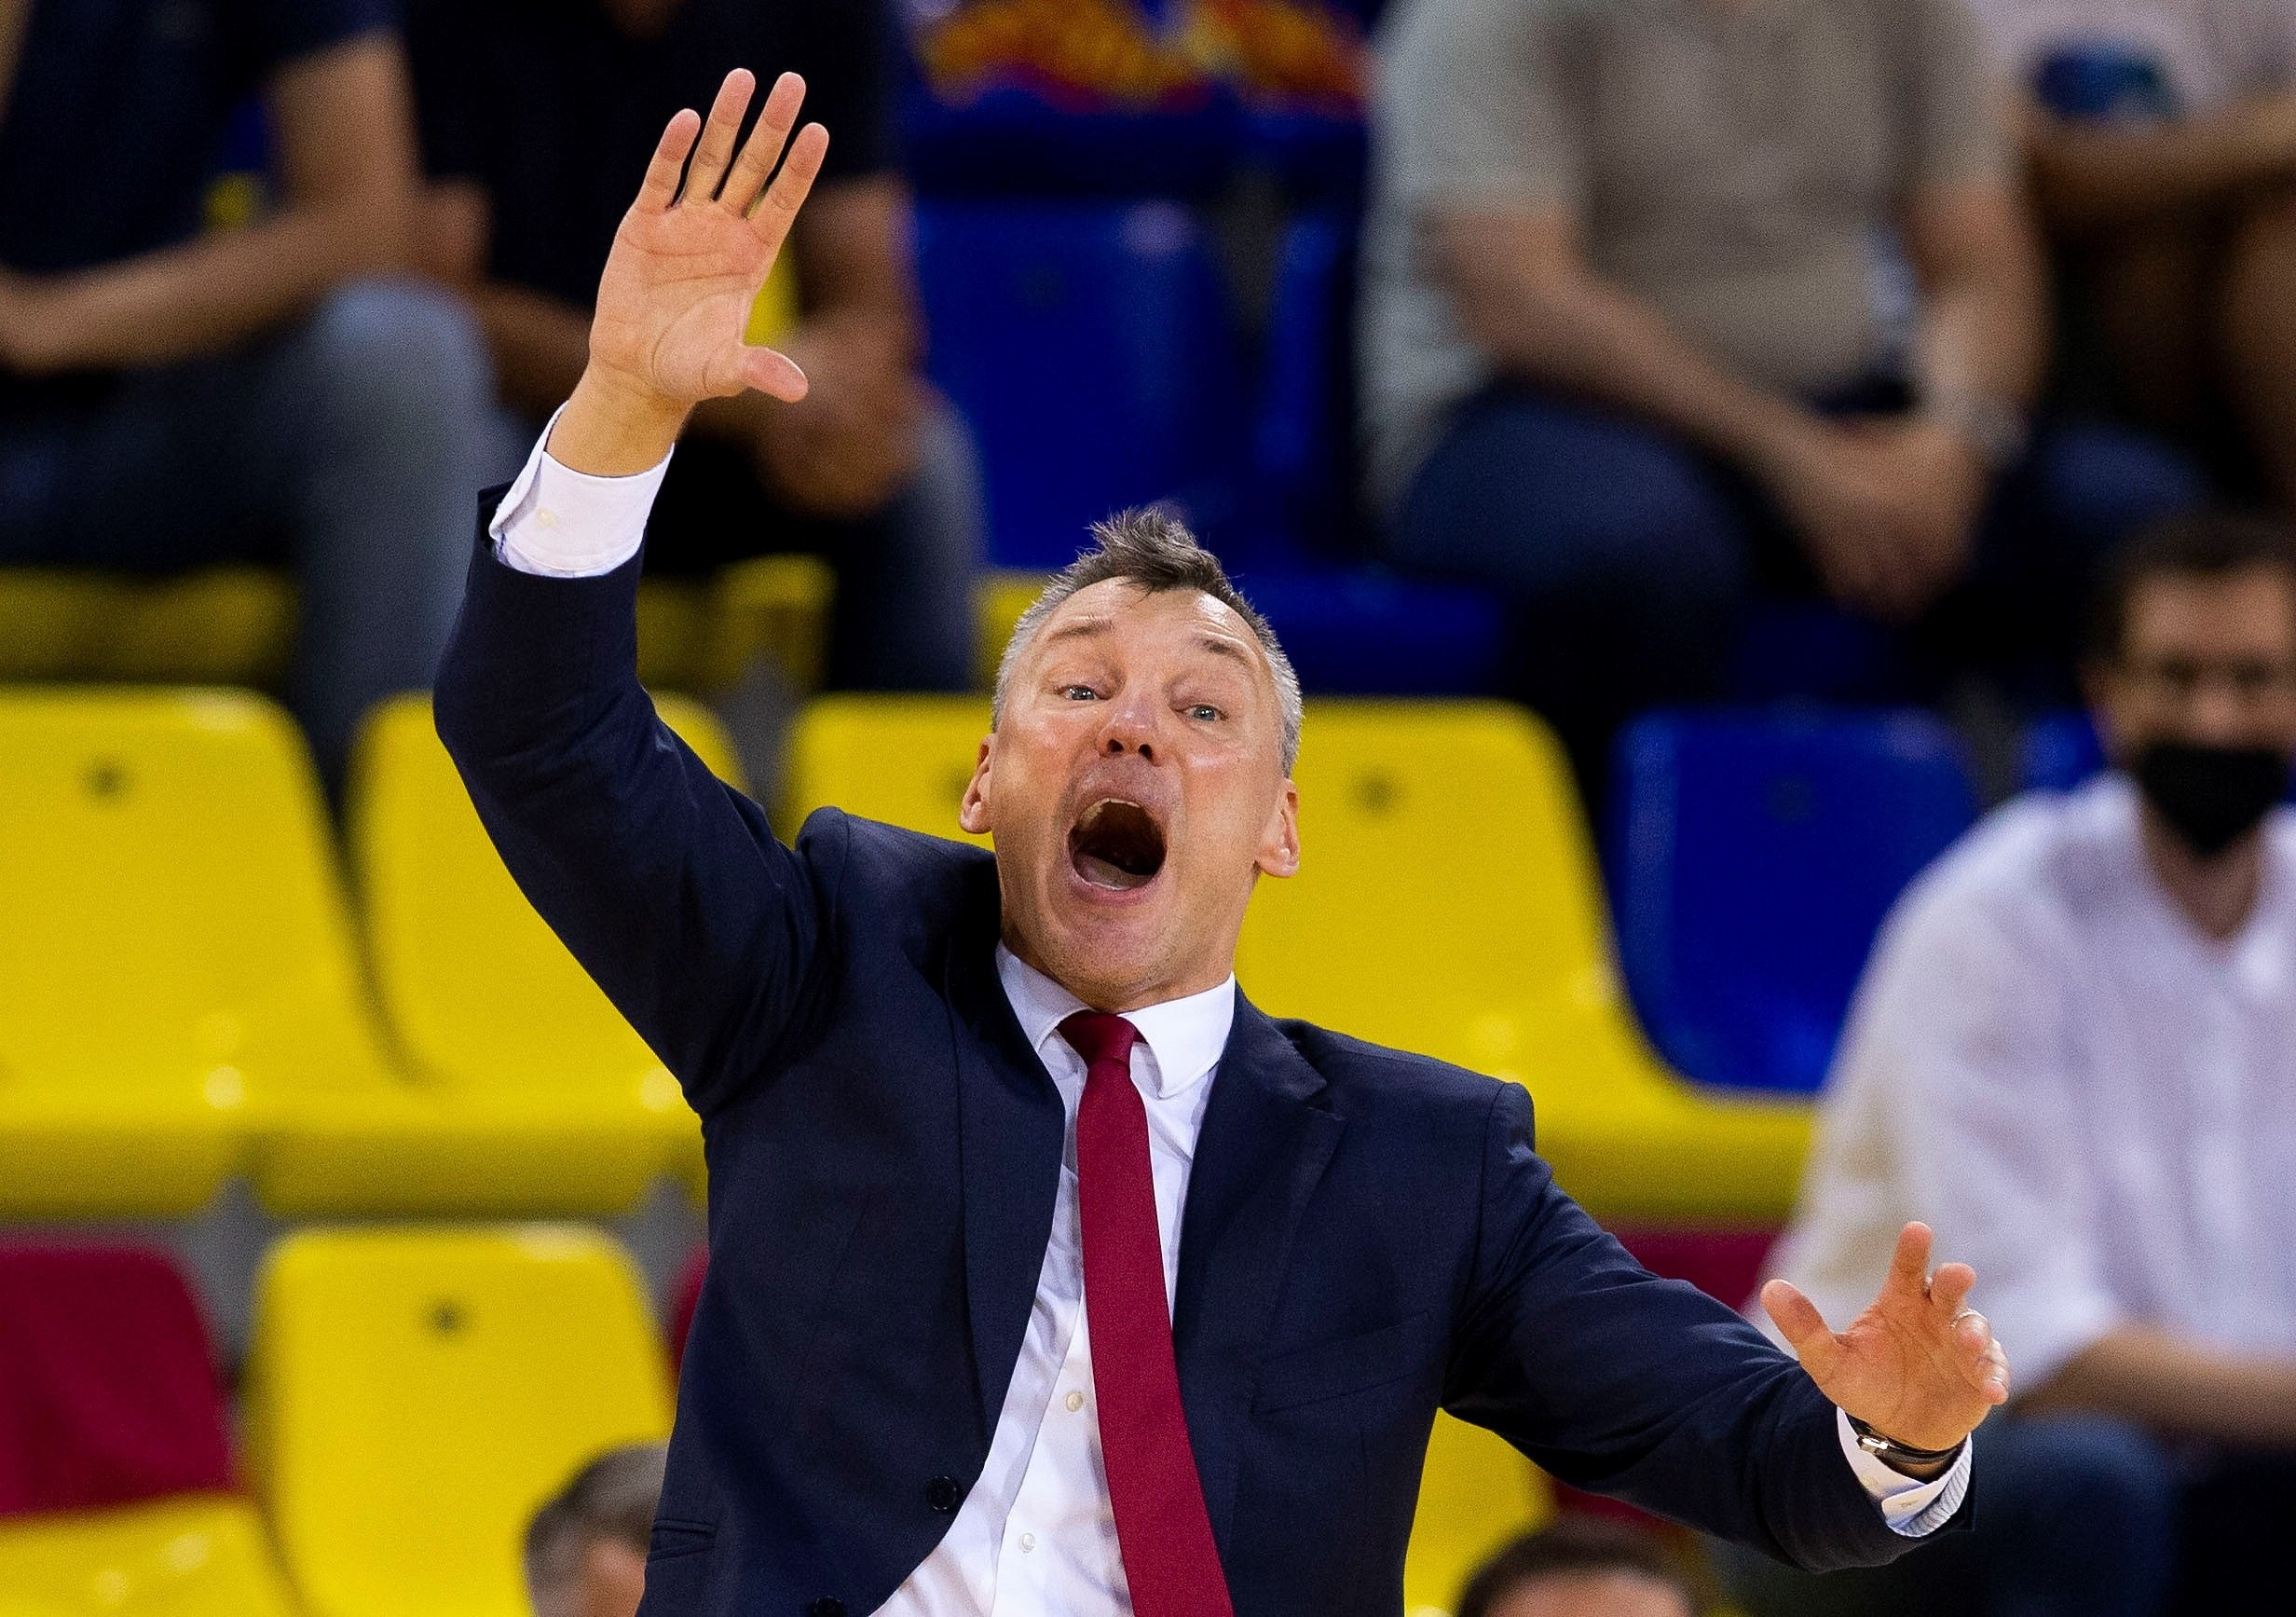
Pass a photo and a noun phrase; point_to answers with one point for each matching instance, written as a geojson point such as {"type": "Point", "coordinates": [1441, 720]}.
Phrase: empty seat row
{"type": "Point", "coordinates": [412, 1398]}
{"type": "Point", "coordinates": [182, 997]}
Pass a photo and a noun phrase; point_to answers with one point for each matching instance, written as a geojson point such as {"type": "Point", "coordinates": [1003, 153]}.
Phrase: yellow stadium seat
{"type": "Point", "coordinates": [999, 598]}
{"type": "Point", "coordinates": [188, 1556]}
{"type": "Point", "coordinates": [902, 760]}
{"type": "Point", "coordinates": [540, 1096]}
{"type": "Point", "coordinates": [1475, 1494]}
{"type": "Point", "coordinates": [775, 606]}
{"type": "Point", "coordinates": [414, 1396]}
{"type": "Point", "coordinates": [1448, 902]}
{"type": "Point", "coordinates": [177, 957]}
{"type": "Point", "coordinates": [218, 625]}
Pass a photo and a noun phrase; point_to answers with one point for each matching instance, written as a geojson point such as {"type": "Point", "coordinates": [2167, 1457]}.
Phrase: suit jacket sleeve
{"type": "Point", "coordinates": [1622, 1383]}
{"type": "Point", "coordinates": [667, 885]}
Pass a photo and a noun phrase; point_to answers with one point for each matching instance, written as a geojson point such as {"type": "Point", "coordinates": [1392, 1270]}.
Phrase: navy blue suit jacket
{"type": "Point", "coordinates": [1368, 1236]}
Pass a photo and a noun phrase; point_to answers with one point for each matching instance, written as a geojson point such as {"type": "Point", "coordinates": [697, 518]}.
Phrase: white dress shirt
{"type": "Point", "coordinates": [1035, 1536]}
{"type": "Point", "coordinates": [2088, 1099]}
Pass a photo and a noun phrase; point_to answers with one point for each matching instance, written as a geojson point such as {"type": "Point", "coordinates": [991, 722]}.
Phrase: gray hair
{"type": "Point", "coordinates": [1151, 547]}
{"type": "Point", "coordinates": [611, 1498]}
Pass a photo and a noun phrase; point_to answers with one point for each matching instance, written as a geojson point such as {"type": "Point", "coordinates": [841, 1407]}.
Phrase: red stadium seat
{"type": "Point", "coordinates": [108, 1392]}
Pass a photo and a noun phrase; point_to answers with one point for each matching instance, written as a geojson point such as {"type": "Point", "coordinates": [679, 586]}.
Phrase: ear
{"type": "Point", "coordinates": [973, 811]}
{"type": "Point", "coordinates": [1280, 849]}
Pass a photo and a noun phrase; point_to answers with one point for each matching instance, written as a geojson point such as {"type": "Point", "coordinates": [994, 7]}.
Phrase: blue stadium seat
{"type": "Point", "coordinates": [1350, 630]}
{"type": "Point", "coordinates": [2059, 752]}
{"type": "Point", "coordinates": [1364, 632]}
{"type": "Point", "coordinates": [1092, 349]}
{"type": "Point", "coordinates": [1299, 494]}
{"type": "Point", "coordinates": [1754, 858]}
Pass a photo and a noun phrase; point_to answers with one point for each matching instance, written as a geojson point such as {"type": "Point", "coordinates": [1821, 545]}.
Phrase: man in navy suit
{"type": "Point", "coordinates": [1048, 1277]}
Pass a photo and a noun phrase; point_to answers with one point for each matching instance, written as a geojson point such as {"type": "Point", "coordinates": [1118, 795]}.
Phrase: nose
{"type": "Point", "coordinates": [1130, 724]}
{"type": "Point", "coordinates": [2218, 713]}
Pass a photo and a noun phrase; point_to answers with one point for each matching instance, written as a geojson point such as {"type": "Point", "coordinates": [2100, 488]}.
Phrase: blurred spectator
{"type": "Point", "coordinates": [2074, 1052]}
{"type": "Point", "coordinates": [1627, 351]}
{"type": "Point", "coordinates": [538, 122]}
{"type": "Point", "coordinates": [586, 1548]}
{"type": "Point", "coordinates": [2162, 134]}
{"type": "Point", "coordinates": [1580, 1567]}
{"type": "Point", "coordinates": [170, 399]}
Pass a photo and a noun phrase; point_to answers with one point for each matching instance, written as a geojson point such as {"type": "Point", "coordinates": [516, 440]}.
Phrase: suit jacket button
{"type": "Point", "coordinates": [942, 1494]}
{"type": "Point", "coordinates": [827, 1606]}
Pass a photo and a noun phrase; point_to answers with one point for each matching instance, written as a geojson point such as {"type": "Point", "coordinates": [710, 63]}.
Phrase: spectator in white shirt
{"type": "Point", "coordinates": [2075, 1050]}
{"type": "Point", "coordinates": [2162, 138]}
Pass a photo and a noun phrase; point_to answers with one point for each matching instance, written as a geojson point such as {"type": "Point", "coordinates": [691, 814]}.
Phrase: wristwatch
{"type": "Point", "coordinates": [1890, 1452]}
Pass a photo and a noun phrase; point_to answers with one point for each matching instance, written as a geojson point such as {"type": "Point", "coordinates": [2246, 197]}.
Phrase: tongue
{"type": "Point", "coordinates": [1103, 873]}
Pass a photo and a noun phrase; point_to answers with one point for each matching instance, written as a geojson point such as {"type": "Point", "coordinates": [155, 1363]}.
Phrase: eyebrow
{"type": "Point", "coordinates": [1077, 628]}
{"type": "Point", "coordinates": [1225, 646]}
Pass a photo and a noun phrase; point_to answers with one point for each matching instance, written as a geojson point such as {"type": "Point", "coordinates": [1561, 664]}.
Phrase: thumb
{"type": "Point", "coordinates": [1799, 1320]}
{"type": "Point", "coordinates": [773, 372]}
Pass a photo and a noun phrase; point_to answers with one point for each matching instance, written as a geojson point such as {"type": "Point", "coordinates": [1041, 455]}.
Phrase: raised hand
{"type": "Point", "coordinates": [686, 263]}
{"type": "Point", "coordinates": [1918, 1366]}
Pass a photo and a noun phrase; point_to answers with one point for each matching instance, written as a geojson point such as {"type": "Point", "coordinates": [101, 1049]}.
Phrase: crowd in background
{"type": "Point", "coordinates": [1928, 308]}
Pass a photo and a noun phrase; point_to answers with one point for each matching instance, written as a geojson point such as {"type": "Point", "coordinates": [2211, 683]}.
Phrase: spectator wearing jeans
{"type": "Point", "coordinates": [170, 399]}
{"type": "Point", "coordinates": [538, 120]}
{"type": "Point", "coordinates": [2075, 1049]}
{"type": "Point", "coordinates": [1629, 345]}
{"type": "Point", "coordinates": [2163, 137]}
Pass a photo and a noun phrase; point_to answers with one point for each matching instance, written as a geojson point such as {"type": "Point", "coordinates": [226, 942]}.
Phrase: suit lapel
{"type": "Point", "coordinates": [1263, 1146]}
{"type": "Point", "coordinates": [1009, 1128]}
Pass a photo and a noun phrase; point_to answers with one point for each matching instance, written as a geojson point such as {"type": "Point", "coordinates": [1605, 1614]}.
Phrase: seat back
{"type": "Point", "coordinates": [902, 760]}
{"type": "Point", "coordinates": [1448, 899]}
{"type": "Point", "coordinates": [479, 991]}
{"type": "Point", "coordinates": [1092, 351]}
{"type": "Point", "coordinates": [176, 932]}
{"type": "Point", "coordinates": [2059, 751]}
{"type": "Point", "coordinates": [1476, 1494]}
{"type": "Point", "coordinates": [1755, 858]}
{"type": "Point", "coordinates": [1300, 470]}
{"type": "Point", "coordinates": [108, 1392]}
{"type": "Point", "coordinates": [415, 1396]}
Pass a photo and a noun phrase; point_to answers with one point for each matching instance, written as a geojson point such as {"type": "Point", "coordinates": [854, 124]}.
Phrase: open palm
{"type": "Point", "coordinates": [686, 262]}
{"type": "Point", "coordinates": [1918, 1366]}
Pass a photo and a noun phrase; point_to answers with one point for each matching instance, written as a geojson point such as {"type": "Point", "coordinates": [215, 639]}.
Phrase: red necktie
{"type": "Point", "coordinates": [1162, 1529]}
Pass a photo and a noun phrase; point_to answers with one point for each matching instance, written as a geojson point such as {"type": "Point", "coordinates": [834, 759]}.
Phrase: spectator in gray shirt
{"type": "Point", "coordinates": [1628, 352]}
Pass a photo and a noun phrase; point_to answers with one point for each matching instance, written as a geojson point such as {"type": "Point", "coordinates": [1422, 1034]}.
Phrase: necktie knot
{"type": "Point", "coordinates": [1099, 1037]}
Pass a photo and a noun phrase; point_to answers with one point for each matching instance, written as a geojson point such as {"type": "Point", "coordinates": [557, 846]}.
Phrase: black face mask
{"type": "Point", "coordinates": [2210, 796]}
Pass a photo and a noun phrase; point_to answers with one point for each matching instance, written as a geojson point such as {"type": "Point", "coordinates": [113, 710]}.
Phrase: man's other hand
{"type": "Point", "coordinates": [685, 268]}
{"type": "Point", "coordinates": [1919, 1365]}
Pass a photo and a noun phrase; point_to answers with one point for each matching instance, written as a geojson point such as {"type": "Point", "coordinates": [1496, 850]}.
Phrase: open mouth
{"type": "Point", "coordinates": [1115, 844]}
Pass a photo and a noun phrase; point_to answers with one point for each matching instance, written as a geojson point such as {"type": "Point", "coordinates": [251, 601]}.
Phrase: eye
{"type": "Point", "coordinates": [1204, 711]}
{"type": "Point", "coordinates": [1079, 693]}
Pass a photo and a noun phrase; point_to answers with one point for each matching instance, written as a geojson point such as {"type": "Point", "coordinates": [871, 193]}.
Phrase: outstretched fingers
{"type": "Point", "coordinates": [719, 134]}
{"type": "Point", "coordinates": [668, 161]}
{"type": "Point", "coordinates": [1909, 1262]}
{"type": "Point", "coordinates": [788, 191]}
{"type": "Point", "coordinates": [763, 148]}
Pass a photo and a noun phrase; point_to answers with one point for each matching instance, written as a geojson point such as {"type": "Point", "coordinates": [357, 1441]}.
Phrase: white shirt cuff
{"type": "Point", "coordinates": [560, 523]}
{"type": "Point", "coordinates": [1913, 1509]}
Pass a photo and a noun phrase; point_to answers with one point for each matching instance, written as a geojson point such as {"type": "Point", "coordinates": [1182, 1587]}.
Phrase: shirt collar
{"type": "Point", "coordinates": [1184, 1036]}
